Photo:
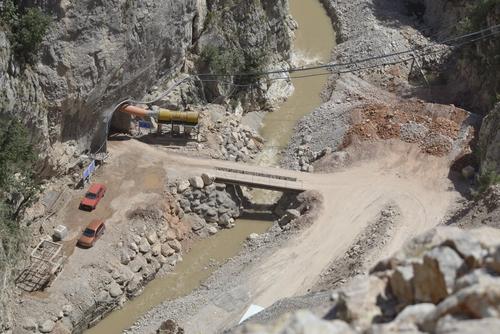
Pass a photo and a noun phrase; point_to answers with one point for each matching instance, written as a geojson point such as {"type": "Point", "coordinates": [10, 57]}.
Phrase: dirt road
{"type": "Point", "coordinates": [388, 172]}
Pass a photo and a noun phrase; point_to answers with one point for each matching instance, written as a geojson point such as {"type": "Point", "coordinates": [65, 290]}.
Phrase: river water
{"type": "Point", "coordinates": [314, 42]}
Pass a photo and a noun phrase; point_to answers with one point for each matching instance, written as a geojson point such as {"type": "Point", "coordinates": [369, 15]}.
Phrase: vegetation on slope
{"type": "Point", "coordinates": [17, 188]}
{"type": "Point", "coordinates": [27, 28]}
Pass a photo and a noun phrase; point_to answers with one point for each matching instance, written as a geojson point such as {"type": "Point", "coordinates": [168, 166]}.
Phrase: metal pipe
{"type": "Point", "coordinates": [164, 115]}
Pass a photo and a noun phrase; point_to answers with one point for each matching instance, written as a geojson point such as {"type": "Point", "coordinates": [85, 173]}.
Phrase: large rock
{"type": "Point", "coordinates": [207, 179]}
{"type": "Point", "coordinates": [489, 142]}
{"type": "Point", "coordinates": [144, 246]}
{"type": "Point", "coordinates": [182, 186]}
{"type": "Point", "coordinates": [115, 290]}
{"type": "Point", "coordinates": [357, 301]}
{"type": "Point", "coordinates": [175, 245]}
{"type": "Point", "coordinates": [401, 283]}
{"type": "Point", "coordinates": [137, 264]}
{"type": "Point", "coordinates": [166, 250]}
{"type": "Point", "coordinates": [152, 237]}
{"type": "Point", "coordinates": [477, 301]}
{"type": "Point", "coordinates": [135, 283]}
{"type": "Point", "coordinates": [434, 278]}
{"type": "Point", "coordinates": [156, 249]}
{"type": "Point", "coordinates": [415, 313]}
{"type": "Point", "coordinates": [468, 248]}
{"type": "Point", "coordinates": [196, 182]}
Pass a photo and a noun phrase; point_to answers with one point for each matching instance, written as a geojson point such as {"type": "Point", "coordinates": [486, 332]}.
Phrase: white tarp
{"type": "Point", "coordinates": [252, 310]}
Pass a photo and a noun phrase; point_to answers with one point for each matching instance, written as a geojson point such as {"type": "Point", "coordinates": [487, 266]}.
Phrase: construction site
{"type": "Point", "coordinates": [215, 201]}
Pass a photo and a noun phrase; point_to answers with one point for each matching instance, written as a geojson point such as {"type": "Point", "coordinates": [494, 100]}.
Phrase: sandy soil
{"type": "Point", "coordinates": [386, 172]}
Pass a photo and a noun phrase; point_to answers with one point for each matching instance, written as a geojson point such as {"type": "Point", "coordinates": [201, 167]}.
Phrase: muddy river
{"type": "Point", "coordinates": [314, 42]}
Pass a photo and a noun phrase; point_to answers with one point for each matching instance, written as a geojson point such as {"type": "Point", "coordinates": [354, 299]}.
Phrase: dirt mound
{"type": "Point", "coordinates": [432, 127]}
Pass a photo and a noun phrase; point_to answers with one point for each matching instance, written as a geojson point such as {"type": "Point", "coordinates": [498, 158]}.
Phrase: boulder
{"type": "Point", "coordinates": [253, 236]}
{"type": "Point", "coordinates": [434, 278]}
{"type": "Point", "coordinates": [134, 284]}
{"type": "Point", "coordinates": [207, 179]}
{"type": "Point", "coordinates": [478, 276]}
{"type": "Point", "coordinates": [47, 326]}
{"type": "Point", "coordinates": [357, 302]}
{"type": "Point", "coordinates": [156, 249]}
{"type": "Point", "coordinates": [175, 245]}
{"type": "Point", "coordinates": [137, 264]}
{"type": "Point", "coordinates": [124, 257]}
{"type": "Point", "coordinates": [170, 235]}
{"type": "Point", "coordinates": [468, 248]}
{"type": "Point", "coordinates": [477, 301]}
{"type": "Point", "coordinates": [152, 237]}
{"type": "Point", "coordinates": [224, 220]}
{"type": "Point", "coordinates": [166, 250]}
{"type": "Point", "coordinates": [182, 186]}
{"type": "Point", "coordinates": [196, 182]}
{"type": "Point", "coordinates": [30, 325]}
{"type": "Point", "coordinates": [401, 284]}
{"type": "Point", "coordinates": [144, 246]}
{"type": "Point", "coordinates": [115, 290]}
{"type": "Point", "coordinates": [415, 313]}
{"type": "Point", "coordinates": [133, 246]}
{"type": "Point", "coordinates": [212, 230]}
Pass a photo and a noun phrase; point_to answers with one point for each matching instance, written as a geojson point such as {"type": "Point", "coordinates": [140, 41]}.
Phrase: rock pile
{"type": "Point", "coordinates": [155, 242]}
{"type": "Point", "coordinates": [445, 281]}
{"type": "Point", "coordinates": [235, 142]}
{"type": "Point", "coordinates": [207, 205]}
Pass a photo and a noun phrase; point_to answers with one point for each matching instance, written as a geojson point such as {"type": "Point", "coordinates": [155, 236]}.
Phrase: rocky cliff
{"type": "Point", "coordinates": [489, 142]}
{"type": "Point", "coordinates": [98, 53]}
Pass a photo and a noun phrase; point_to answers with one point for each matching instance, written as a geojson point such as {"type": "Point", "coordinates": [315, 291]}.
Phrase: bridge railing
{"type": "Point", "coordinates": [255, 178]}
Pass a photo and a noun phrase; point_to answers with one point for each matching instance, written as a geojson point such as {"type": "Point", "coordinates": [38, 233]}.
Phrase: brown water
{"type": "Point", "coordinates": [314, 41]}
{"type": "Point", "coordinates": [197, 265]}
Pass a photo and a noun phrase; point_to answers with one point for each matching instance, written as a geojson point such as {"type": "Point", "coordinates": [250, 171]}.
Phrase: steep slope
{"type": "Point", "coordinates": [98, 53]}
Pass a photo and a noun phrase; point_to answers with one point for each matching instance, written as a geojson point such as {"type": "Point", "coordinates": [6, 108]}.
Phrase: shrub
{"type": "Point", "coordinates": [17, 175]}
{"type": "Point", "coordinates": [488, 179]}
{"type": "Point", "coordinates": [27, 30]}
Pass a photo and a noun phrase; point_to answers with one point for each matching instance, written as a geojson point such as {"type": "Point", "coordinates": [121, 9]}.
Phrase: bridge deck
{"type": "Point", "coordinates": [258, 180]}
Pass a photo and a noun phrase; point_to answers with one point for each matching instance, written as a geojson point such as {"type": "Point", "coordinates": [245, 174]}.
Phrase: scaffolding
{"type": "Point", "coordinates": [46, 261]}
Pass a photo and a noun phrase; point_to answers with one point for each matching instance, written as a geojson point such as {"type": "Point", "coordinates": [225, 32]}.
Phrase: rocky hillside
{"type": "Point", "coordinates": [96, 54]}
{"type": "Point", "coordinates": [445, 281]}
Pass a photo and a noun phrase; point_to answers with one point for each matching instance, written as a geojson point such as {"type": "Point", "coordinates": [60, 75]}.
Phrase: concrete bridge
{"type": "Point", "coordinates": [245, 175]}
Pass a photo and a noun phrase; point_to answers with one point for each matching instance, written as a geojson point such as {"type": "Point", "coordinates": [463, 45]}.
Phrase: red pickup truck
{"type": "Point", "coordinates": [93, 196]}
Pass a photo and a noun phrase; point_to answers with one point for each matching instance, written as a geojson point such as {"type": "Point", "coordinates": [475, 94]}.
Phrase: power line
{"type": "Point", "coordinates": [329, 66]}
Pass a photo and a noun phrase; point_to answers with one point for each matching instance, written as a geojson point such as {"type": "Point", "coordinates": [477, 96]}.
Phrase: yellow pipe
{"type": "Point", "coordinates": [184, 117]}
{"type": "Point", "coordinates": [164, 115]}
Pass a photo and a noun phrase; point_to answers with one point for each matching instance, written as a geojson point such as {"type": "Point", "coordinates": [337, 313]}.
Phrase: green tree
{"type": "Point", "coordinates": [17, 176]}
{"type": "Point", "coordinates": [29, 33]}
{"type": "Point", "coordinates": [9, 13]}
